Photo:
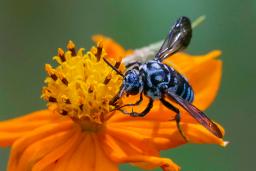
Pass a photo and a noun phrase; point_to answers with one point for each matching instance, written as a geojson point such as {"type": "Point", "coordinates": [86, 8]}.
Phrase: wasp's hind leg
{"type": "Point", "coordinates": [177, 116]}
{"type": "Point", "coordinates": [143, 113]}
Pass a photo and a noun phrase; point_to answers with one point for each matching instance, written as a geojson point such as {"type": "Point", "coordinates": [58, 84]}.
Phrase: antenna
{"type": "Point", "coordinates": [115, 69]}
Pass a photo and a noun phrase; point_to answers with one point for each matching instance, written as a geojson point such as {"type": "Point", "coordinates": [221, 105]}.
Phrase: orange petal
{"type": "Point", "coordinates": [36, 151]}
{"type": "Point", "coordinates": [22, 143]}
{"type": "Point", "coordinates": [203, 73]}
{"type": "Point", "coordinates": [50, 167]}
{"type": "Point", "coordinates": [85, 154]}
{"type": "Point", "coordinates": [125, 152]}
{"type": "Point", "coordinates": [34, 116]}
{"type": "Point", "coordinates": [102, 161]}
{"type": "Point", "coordinates": [59, 152]}
{"type": "Point", "coordinates": [195, 133]}
{"type": "Point", "coordinates": [65, 161]}
{"type": "Point", "coordinates": [112, 48]}
{"type": "Point", "coordinates": [151, 162]}
{"type": "Point", "coordinates": [162, 134]}
{"type": "Point", "coordinates": [10, 134]}
{"type": "Point", "coordinates": [141, 142]}
{"type": "Point", "coordinates": [81, 158]}
{"type": "Point", "coordinates": [12, 129]}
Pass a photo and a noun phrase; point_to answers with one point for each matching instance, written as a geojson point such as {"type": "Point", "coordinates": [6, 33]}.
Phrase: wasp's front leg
{"type": "Point", "coordinates": [132, 104]}
{"type": "Point", "coordinates": [141, 114]}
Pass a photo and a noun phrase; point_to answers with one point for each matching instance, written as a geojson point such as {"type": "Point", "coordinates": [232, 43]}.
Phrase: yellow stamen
{"type": "Point", "coordinates": [61, 54]}
{"type": "Point", "coordinates": [82, 85]}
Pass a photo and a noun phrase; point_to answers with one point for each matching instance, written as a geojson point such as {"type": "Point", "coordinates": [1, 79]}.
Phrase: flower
{"type": "Point", "coordinates": [78, 131]}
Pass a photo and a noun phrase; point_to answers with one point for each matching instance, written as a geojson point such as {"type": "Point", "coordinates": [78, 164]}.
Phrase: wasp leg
{"type": "Point", "coordinates": [118, 96]}
{"type": "Point", "coordinates": [132, 104]}
{"type": "Point", "coordinates": [177, 116]}
{"type": "Point", "coordinates": [143, 113]}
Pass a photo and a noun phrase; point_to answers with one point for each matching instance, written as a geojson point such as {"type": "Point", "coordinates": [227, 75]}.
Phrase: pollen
{"type": "Point", "coordinates": [82, 84]}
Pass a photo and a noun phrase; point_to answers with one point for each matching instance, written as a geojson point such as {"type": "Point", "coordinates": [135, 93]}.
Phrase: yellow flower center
{"type": "Point", "coordinates": [82, 85]}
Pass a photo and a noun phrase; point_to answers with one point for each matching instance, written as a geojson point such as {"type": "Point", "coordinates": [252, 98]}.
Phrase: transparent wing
{"type": "Point", "coordinates": [177, 39]}
{"type": "Point", "coordinates": [196, 113]}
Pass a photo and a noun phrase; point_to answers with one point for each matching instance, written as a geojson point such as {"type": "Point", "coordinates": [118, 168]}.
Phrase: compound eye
{"type": "Point", "coordinates": [132, 83]}
{"type": "Point", "coordinates": [132, 77]}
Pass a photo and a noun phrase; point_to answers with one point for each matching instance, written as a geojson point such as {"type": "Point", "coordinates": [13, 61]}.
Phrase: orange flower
{"type": "Point", "coordinates": [77, 131]}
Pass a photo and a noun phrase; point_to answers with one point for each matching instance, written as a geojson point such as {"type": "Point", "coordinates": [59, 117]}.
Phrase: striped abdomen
{"type": "Point", "coordinates": [180, 86]}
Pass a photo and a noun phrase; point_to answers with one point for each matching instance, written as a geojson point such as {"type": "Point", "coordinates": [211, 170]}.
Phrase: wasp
{"type": "Point", "coordinates": [158, 81]}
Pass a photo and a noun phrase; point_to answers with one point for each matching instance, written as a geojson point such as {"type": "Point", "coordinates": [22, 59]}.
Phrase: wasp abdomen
{"type": "Point", "coordinates": [186, 92]}
{"type": "Point", "coordinates": [180, 86]}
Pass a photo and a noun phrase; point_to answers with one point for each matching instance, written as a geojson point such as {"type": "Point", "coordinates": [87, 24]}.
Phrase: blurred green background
{"type": "Point", "coordinates": [31, 31]}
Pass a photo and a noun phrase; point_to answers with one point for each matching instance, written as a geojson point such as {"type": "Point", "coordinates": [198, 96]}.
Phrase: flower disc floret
{"type": "Point", "coordinates": [82, 85]}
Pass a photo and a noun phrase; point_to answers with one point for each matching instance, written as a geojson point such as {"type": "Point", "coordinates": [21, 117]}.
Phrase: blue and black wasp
{"type": "Point", "coordinates": [157, 80]}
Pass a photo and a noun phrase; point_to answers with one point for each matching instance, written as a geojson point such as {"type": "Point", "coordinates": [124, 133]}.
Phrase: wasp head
{"type": "Point", "coordinates": [132, 82]}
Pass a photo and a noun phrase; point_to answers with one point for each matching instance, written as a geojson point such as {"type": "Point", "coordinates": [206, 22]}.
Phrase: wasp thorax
{"type": "Point", "coordinates": [82, 85]}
